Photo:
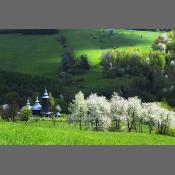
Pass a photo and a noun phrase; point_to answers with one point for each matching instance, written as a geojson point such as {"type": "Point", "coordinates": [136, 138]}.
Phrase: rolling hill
{"type": "Point", "coordinates": [40, 56]}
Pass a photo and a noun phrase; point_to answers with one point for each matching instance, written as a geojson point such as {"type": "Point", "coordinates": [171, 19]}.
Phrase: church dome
{"type": "Point", "coordinates": [28, 104]}
{"type": "Point", "coordinates": [36, 106]}
{"type": "Point", "coordinates": [45, 94]}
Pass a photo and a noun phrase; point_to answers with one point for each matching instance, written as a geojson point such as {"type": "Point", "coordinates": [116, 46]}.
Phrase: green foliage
{"type": "Point", "coordinates": [18, 87]}
{"type": "Point", "coordinates": [157, 59]}
{"type": "Point", "coordinates": [63, 117]}
{"type": "Point", "coordinates": [63, 105]}
{"type": "Point", "coordinates": [171, 132]}
{"type": "Point", "coordinates": [43, 133]}
{"type": "Point", "coordinates": [25, 114]}
{"type": "Point", "coordinates": [52, 102]}
{"type": "Point", "coordinates": [40, 56]}
{"type": "Point", "coordinates": [10, 111]}
{"type": "Point", "coordinates": [14, 108]}
{"type": "Point", "coordinates": [28, 31]}
{"type": "Point", "coordinates": [132, 62]}
{"type": "Point", "coordinates": [13, 96]}
{"type": "Point", "coordinates": [68, 59]}
{"type": "Point", "coordinates": [73, 65]}
{"type": "Point", "coordinates": [83, 63]}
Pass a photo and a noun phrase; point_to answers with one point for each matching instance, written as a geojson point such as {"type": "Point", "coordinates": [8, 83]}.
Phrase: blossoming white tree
{"type": "Point", "coordinates": [133, 112]}
{"type": "Point", "coordinates": [119, 107]}
{"type": "Point", "coordinates": [78, 109]}
{"type": "Point", "coordinates": [99, 110]}
{"type": "Point", "coordinates": [130, 111]}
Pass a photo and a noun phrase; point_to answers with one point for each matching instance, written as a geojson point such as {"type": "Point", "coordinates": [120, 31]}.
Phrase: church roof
{"type": "Point", "coordinates": [36, 106]}
{"type": "Point", "coordinates": [28, 104]}
{"type": "Point", "coordinates": [45, 95]}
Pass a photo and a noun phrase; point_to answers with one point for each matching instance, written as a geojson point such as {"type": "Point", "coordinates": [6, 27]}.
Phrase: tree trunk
{"type": "Point", "coordinates": [96, 124]}
{"type": "Point", "coordinates": [161, 129]}
{"type": "Point", "coordinates": [130, 128]}
{"type": "Point", "coordinates": [135, 127]}
{"type": "Point", "coordinates": [80, 125]}
{"type": "Point", "coordinates": [150, 128]}
{"type": "Point", "coordinates": [141, 129]}
{"type": "Point", "coordinates": [116, 124]}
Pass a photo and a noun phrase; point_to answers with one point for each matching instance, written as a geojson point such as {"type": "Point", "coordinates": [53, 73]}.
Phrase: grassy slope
{"type": "Point", "coordinates": [82, 41]}
{"type": "Point", "coordinates": [44, 134]}
{"type": "Point", "coordinates": [40, 54]}
{"type": "Point", "coordinates": [122, 39]}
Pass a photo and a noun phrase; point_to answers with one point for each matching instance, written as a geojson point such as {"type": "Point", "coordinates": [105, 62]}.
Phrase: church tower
{"type": "Point", "coordinates": [45, 103]}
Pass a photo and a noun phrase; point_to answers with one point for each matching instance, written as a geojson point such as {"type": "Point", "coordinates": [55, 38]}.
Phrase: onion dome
{"type": "Point", "coordinates": [28, 104]}
{"type": "Point", "coordinates": [36, 106]}
{"type": "Point", "coordinates": [45, 95]}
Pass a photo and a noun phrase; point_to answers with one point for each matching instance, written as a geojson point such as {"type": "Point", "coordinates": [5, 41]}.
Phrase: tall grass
{"type": "Point", "coordinates": [43, 133]}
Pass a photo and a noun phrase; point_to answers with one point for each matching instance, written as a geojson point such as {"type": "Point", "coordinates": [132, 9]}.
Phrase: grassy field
{"type": "Point", "coordinates": [40, 54]}
{"type": "Point", "coordinates": [82, 41]}
{"type": "Point", "coordinates": [43, 133]}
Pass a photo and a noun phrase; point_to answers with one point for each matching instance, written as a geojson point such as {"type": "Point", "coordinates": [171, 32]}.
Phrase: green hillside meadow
{"type": "Point", "coordinates": [43, 133]}
{"type": "Point", "coordinates": [40, 55]}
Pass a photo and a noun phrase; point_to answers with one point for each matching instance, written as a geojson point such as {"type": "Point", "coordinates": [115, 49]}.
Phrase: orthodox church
{"type": "Point", "coordinates": [43, 108]}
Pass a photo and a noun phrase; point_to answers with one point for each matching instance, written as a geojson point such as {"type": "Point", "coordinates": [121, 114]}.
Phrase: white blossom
{"type": "Point", "coordinates": [120, 109]}
{"type": "Point", "coordinates": [161, 46]}
{"type": "Point", "coordinates": [172, 63]}
{"type": "Point", "coordinates": [165, 37]}
{"type": "Point", "coordinates": [78, 107]}
{"type": "Point", "coordinates": [99, 108]}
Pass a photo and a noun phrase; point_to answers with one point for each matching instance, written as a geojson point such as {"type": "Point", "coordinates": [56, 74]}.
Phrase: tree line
{"type": "Point", "coordinates": [152, 73]}
{"type": "Point", "coordinates": [29, 31]}
{"type": "Point", "coordinates": [19, 87]}
{"type": "Point", "coordinates": [98, 113]}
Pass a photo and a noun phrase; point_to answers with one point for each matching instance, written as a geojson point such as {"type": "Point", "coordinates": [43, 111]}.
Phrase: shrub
{"type": "Point", "coordinates": [83, 62]}
{"type": "Point", "coordinates": [171, 132]}
{"type": "Point", "coordinates": [157, 59]}
{"type": "Point", "coordinates": [132, 62]}
{"type": "Point", "coordinates": [25, 114]}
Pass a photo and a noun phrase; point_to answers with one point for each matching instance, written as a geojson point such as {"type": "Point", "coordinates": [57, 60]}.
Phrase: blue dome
{"type": "Point", "coordinates": [36, 106]}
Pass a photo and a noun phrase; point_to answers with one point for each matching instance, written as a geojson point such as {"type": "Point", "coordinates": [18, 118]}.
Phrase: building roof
{"type": "Point", "coordinates": [36, 106]}
{"type": "Point", "coordinates": [28, 104]}
{"type": "Point", "coordinates": [45, 95]}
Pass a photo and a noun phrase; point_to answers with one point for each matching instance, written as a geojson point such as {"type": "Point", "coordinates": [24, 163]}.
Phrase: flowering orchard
{"type": "Point", "coordinates": [97, 112]}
